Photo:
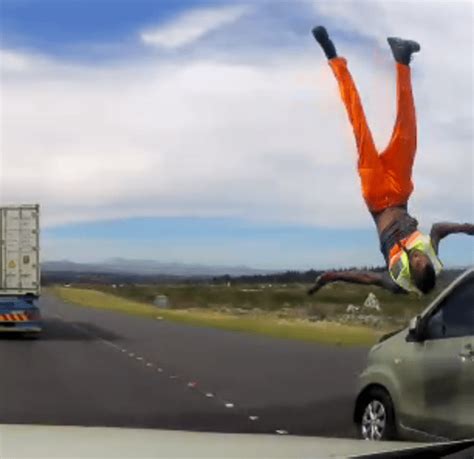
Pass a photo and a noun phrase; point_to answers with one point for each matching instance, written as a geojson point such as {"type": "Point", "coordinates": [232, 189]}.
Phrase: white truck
{"type": "Point", "coordinates": [19, 269]}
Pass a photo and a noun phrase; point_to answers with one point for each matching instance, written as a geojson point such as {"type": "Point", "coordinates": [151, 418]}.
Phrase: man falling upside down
{"type": "Point", "coordinates": [411, 256]}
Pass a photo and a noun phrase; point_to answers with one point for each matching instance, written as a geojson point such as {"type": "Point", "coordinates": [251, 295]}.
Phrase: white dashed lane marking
{"type": "Point", "coordinates": [191, 384]}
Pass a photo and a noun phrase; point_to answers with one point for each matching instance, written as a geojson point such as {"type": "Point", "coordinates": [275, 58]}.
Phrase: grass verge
{"type": "Point", "coordinates": [268, 324]}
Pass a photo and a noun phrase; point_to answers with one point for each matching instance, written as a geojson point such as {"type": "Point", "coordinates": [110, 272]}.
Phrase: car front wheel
{"type": "Point", "coordinates": [377, 421]}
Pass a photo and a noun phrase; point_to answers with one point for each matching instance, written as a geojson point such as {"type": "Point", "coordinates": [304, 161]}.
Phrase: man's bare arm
{"type": "Point", "coordinates": [354, 277]}
{"type": "Point", "coordinates": [443, 229]}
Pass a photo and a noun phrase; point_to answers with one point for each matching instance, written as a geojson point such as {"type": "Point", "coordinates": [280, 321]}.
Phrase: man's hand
{"type": "Point", "coordinates": [320, 282]}
{"type": "Point", "coordinates": [441, 230]}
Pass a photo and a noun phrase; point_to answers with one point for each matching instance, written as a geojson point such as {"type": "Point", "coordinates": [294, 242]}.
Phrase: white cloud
{"type": "Point", "coordinates": [201, 138]}
{"type": "Point", "coordinates": [266, 140]}
{"type": "Point", "coordinates": [14, 62]}
{"type": "Point", "coordinates": [192, 25]}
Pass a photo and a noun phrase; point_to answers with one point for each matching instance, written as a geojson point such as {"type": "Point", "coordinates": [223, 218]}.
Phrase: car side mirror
{"type": "Point", "coordinates": [415, 329]}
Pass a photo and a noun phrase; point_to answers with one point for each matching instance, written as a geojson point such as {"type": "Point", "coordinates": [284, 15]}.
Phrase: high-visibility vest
{"type": "Point", "coordinates": [399, 264]}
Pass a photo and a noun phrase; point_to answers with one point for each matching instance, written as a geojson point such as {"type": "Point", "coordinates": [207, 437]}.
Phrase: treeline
{"type": "Point", "coordinates": [74, 277]}
{"type": "Point", "coordinates": [308, 277]}
{"type": "Point", "coordinates": [288, 277]}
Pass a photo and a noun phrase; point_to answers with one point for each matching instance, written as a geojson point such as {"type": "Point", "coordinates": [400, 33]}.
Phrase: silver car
{"type": "Point", "coordinates": [419, 382]}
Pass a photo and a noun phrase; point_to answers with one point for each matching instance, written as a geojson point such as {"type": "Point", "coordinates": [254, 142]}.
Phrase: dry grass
{"type": "Point", "coordinates": [267, 323]}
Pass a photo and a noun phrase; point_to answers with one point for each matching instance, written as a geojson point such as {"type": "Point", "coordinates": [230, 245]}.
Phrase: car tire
{"type": "Point", "coordinates": [377, 416]}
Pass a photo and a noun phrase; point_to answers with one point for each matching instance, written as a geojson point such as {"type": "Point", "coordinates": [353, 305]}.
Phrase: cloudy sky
{"type": "Point", "coordinates": [213, 132]}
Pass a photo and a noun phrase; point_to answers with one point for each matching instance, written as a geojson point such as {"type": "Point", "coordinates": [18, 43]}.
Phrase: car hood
{"type": "Point", "coordinates": [24, 441]}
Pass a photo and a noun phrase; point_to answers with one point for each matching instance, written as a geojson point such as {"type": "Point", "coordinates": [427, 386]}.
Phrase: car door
{"type": "Point", "coordinates": [467, 427]}
{"type": "Point", "coordinates": [434, 375]}
{"type": "Point", "coordinates": [447, 365]}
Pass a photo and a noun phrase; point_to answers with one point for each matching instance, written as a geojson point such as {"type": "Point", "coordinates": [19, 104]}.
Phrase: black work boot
{"type": "Point", "coordinates": [403, 49]}
{"type": "Point", "coordinates": [322, 37]}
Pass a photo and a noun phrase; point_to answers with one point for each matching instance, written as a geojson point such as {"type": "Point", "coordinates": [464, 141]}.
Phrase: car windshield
{"type": "Point", "coordinates": [198, 229]}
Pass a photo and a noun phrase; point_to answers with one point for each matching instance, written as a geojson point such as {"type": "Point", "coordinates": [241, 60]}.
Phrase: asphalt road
{"type": "Point", "coordinates": [99, 368]}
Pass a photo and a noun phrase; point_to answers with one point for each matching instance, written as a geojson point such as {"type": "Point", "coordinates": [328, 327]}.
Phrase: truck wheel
{"type": "Point", "coordinates": [377, 421]}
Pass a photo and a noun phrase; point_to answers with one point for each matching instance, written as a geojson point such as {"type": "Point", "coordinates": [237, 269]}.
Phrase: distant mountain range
{"type": "Point", "coordinates": [123, 271]}
{"type": "Point", "coordinates": [149, 268]}
{"type": "Point", "coordinates": [122, 266]}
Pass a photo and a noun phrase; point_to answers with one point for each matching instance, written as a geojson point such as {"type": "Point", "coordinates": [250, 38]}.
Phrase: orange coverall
{"type": "Point", "coordinates": [385, 177]}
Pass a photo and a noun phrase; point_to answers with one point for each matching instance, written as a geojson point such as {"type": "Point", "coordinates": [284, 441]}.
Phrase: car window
{"type": "Point", "coordinates": [455, 317]}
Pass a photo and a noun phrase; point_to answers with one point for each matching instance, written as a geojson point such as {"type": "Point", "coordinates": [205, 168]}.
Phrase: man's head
{"type": "Point", "coordinates": [422, 271]}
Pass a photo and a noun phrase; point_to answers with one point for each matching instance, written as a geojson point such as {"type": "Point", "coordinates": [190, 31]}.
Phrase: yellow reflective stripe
{"type": "Point", "coordinates": [403, 277]}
